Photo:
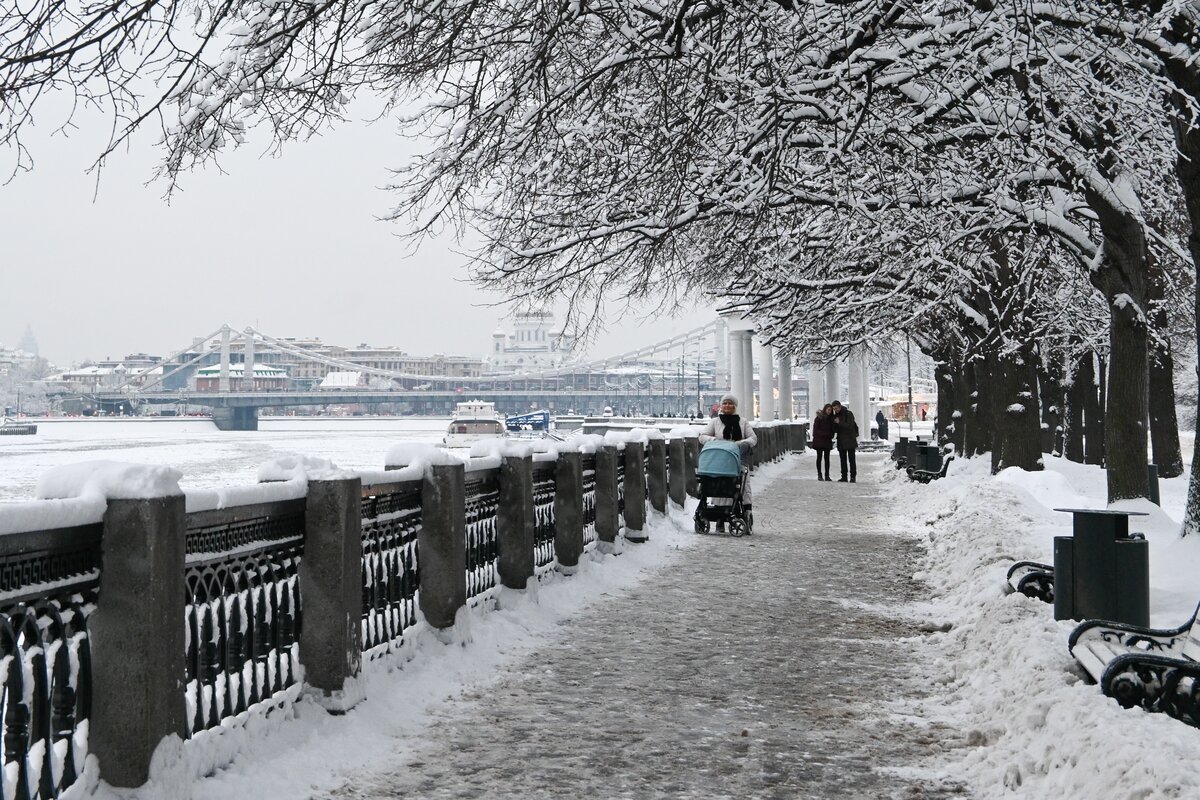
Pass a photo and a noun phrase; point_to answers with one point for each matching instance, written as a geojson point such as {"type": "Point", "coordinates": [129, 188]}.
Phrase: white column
{"type": "Point", "coordinates": [223, 380]}
{"type": "Point", "coordinates": [248, 364]}
{"type": "Point", "coordinates": [785, 387]}
{"type": "Point", "coordinates": [868, 410]}
{"type": "Point", "coordinates": [854, 395]}
{"type": "Point", "coordinates": [746, 390]}
{"type": "Point", "coordinates": [816, 391]}
{"type": "Point", "coordinates": [721, 374]}
{"type": "Point", "coordinates": [833, 383]}
{"type": "Point", "coordinates": [766, 381]}
{"type": "Point", "coordinates": [737, 362]}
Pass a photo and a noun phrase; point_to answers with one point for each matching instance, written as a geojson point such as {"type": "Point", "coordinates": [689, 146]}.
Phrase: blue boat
{"type": "Point", "coordinates": [533, 421]}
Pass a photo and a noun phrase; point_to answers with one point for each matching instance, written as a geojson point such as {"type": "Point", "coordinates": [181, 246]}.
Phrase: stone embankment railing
{"type": "Point", "coordinates": [152, 622]}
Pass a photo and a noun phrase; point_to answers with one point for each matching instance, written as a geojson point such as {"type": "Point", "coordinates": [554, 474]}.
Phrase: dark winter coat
{"type": "Point", "coordinates": [882, 424]}
{"type": "Point", "coordinates": [822, 431]}
{"type": "Point", "coordinates": [846, 429]}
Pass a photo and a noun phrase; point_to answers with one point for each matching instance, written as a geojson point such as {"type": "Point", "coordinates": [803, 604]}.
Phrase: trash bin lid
{"type": "Point", "coordinates": [1113, 511]}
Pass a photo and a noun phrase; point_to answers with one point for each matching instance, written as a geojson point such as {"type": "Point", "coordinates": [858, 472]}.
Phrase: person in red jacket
{"type": "Point", "coordinates": [822, 440]}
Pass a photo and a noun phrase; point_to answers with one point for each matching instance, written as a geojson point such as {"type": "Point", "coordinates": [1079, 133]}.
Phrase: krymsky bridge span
{"type": "Point", "coordinates": [685, 373]}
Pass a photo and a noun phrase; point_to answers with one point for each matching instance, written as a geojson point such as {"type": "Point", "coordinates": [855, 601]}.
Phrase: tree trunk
{"type": "Point", "coordinates": [1050, 391]}
{"type": "Point", "coordinates": [1019, 423]}
{"type": "Point", "coordinates": [1093, 412]}
{"type": "Point", "coordinates": [1164, 427]}
{"type": "Point", "coordinates": [1125, 421]}
{"type": "Point", "coordinates": [961, 416]}
{"type": "Point", "coordinates": [1079, 375]}
{"type": "Point", "coordinates": [1187, 169]}
{"type": "Point", "coordinates": [947, 403]}
{"type": "Point", "coordinates": [978, 411]}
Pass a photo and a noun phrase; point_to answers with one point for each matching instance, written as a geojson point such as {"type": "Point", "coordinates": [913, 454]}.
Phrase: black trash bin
{"type": "Point", "coordinates": [1102, 571]}
{"type": "Point", "coordinates": [1152, 483]}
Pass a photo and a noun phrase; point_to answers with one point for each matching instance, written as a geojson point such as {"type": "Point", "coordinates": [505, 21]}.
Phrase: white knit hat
{"type": "Point", "coordinates": [729, 398]}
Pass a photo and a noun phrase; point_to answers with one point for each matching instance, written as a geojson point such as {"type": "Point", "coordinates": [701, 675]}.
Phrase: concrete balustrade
{"type": "Point", "coordinates": [137, 635]}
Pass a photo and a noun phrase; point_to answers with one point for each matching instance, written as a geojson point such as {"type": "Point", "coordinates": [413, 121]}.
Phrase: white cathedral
{"type": "Point", "coordinates": [533, 344]}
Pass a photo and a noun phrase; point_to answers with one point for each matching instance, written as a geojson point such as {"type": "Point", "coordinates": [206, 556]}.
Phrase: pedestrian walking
{"type": "Point", "coordinates": [846, 430]}
{"type": "Point", "coordinates": [881, 424]}
{"type": "Point", "coordinates": [822, 440]}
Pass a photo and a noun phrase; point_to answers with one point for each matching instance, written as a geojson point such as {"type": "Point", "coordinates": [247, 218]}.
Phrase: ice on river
{"type": "Point", "coordinates": [207, 457]}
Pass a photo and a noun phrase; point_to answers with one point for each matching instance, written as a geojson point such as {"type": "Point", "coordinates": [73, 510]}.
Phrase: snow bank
{"type": "Point", "coordinates": [44, 515]}
{"type": "Point", "coordinates": [109, 480]}
{"type": "Point", "coordinates": [301, 468]}
{"type": "Point", "coordinates": [1031, 725]}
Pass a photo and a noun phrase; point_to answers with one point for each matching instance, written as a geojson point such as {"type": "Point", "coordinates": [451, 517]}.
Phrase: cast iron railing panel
{"type": "Point", "coordinates": [482, 493]}
{"type": "Point", "coordinates": [589, 500]}
{"type": "Point", "coordinates": [48, 589]}
{"type": "Point", "coordinates": [243, 608]}
{"type": "Point", "coordinates": [620, 491]}
{"type": "Point", "coordinates": [543, 516]}
{"type": "Point", "coordinates": [391, 523]}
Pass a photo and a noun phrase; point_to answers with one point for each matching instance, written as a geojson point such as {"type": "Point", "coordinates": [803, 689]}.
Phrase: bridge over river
{"type": "Point", "coordinates": [239, 411]}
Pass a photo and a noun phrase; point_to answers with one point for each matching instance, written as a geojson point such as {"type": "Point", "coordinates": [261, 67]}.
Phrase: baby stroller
{"type": "Point", "coordinates": [722, 483]}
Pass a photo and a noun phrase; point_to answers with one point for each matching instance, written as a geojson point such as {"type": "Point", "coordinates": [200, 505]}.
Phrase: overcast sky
{"type": "Point", "coordinates": [290, 245]}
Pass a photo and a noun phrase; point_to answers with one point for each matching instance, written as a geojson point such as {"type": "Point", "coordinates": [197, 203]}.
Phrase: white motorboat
{"type": "Point", "coordinates": [473, 422]}
{"type": "Point", "coordinates": [11, 427]}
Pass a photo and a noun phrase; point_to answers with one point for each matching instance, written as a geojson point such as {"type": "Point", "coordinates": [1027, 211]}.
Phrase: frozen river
{"type": "Point", "coordinates": [208, 458]}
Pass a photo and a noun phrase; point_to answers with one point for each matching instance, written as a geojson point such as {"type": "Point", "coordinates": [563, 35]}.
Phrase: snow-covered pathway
{"type": "Point", "coordinates": [757, 667]}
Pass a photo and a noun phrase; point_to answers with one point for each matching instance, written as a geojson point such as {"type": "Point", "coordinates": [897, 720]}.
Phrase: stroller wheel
{"type": "Point", "coordinates": [701, 525]}
{"type": "Point", "coordinates": [737, 527]}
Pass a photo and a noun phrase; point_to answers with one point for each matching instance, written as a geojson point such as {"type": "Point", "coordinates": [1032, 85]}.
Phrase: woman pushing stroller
{"type": "Point", "coordinates": [727, 425]}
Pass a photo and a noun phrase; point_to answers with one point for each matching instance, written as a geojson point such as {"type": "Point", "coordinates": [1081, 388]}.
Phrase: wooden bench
{"type": "Point", "coordinates": [925, 476]}
{"type": "Point", "coordinates": [1032, 579]}
{"type": "Point", "coordinates": [1157, 669]}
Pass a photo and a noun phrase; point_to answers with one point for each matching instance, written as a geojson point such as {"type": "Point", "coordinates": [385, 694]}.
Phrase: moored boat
{"type": "Point", "coordinates": [10, 427]}
{"type": "Point", "coordinates": [474, 421]}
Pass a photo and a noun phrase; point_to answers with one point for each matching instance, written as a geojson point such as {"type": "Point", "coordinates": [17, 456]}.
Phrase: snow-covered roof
{"type": "Point", "coordinates": [235, 370]}
{"type": "Point", "coordinates": [342, 380]}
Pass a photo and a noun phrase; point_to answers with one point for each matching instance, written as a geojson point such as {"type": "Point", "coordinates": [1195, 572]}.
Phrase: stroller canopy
{"type": "Point", "coordinates": [720, 459]}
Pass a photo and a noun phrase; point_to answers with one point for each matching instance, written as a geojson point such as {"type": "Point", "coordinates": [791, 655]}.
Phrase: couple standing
{"type": "Point", "coordinates": [835, 422]}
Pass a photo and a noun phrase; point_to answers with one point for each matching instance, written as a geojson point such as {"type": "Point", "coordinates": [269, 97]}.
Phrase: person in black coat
{"type": "Point", "coordinates": [822, 440]}
{"type": "Point", "coordinates": [881, 424]}
{"type": "Point", "coordinates": [847, 439]}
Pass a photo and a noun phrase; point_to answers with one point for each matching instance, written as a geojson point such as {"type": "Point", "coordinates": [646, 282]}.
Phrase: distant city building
{"type": "Point", "coordinates": [535, 343]}
{"type": "Point", "coordinates": [28, 343]}
{"type": "Point", "coordinates": [393, 359]}
{"type": "Point", "coordinates": [266, 378]}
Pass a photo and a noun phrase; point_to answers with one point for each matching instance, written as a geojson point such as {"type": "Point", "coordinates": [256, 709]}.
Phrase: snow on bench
{"type": "Point", "coordinates": [1157, 669]}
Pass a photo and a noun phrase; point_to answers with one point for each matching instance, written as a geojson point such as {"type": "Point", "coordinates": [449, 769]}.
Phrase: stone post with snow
{"type": "Point", "coordinates": [442, 544]}
{"type": "Point", "coordinates": [677, 479]}
{"type": "Point", "coordinates": [137, 633]}
{"type": "Point", "coordinates": [515, 524]}
{"type": "Point", "coordinates": [568, 510]}
{"type": "Point", "coordinates": [635, 492]}
{"type": "Point", "coordinates": [656, 477]}
{"type": "Point", "coordinates": [608, 521]}
{"type": "Point", "coordinates": [331, 588]}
